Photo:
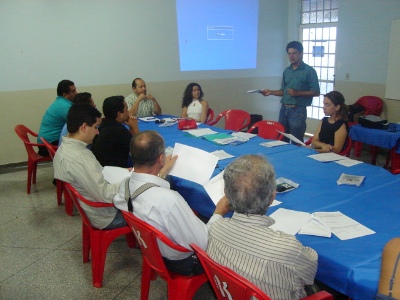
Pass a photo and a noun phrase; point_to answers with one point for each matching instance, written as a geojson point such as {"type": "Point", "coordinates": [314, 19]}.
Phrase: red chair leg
{"type": "Point", "coordinates": [357, 148]}
{"type": "Point", "coordinates": [146, 277]}
{"type": "Point", "coordinates": [29, 181]}
{"type": "Point", "coordinates": [59, 186]}
{"type": "Point", "coordinates": [85, 243]}
{"type": "Point", "coordinates": [69, 206]}
{"type": "Point", "coordinates": [99, 251]}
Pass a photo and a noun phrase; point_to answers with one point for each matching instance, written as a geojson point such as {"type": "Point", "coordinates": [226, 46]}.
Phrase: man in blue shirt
{"type": "Point", "coordinates": [299, 86]}
{"type": "Point", "coordinates": [56, 115]}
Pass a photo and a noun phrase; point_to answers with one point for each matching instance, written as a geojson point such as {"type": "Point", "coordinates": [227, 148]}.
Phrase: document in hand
{"type": "Point", "coordinates": [115, 174]}
{"type": "Point", "coordinates": [292, 138]}
{"type": "Point", "coordinates": [193, 164]}
{"type": "Point", "coordinates": [253, 91]}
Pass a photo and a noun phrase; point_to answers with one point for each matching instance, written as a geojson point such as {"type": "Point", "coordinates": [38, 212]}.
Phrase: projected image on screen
{"type": "Point", "coordinates": [217, 34]}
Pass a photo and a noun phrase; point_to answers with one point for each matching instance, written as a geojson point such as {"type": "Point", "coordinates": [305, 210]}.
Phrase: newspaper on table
{"type": "Point", "coordinates": [350, 179]}
{"type": "Point", "coordinates": [285, 185]}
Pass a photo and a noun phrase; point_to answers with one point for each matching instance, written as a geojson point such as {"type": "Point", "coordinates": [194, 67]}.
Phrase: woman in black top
{"type": "Point", "coordinates": [332, 132]}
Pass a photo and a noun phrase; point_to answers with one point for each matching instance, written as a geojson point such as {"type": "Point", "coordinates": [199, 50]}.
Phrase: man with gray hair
{"type": "Point", "coordinates": [274, 261]}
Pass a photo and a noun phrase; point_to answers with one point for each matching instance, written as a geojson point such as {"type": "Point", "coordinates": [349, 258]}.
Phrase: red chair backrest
{"type": "Point", "coordinates": [52, 149]}
{"type": "Point", "coordinates": [235, 119]}
{"type": "Point", "coordinates": [75, 196]}
{"type": "Point", "coordinates": [373, 105]}
{"type": "Point", "coordinates": [210, 116]}
{"type": "Point", "coordinates": [226, 283]}
{"type": "Point", "coordinates": [22, 131]}
{"type": "Point", "coordinates": [268, 129]}
{"type": "Point", "coordinates": [147, 236]}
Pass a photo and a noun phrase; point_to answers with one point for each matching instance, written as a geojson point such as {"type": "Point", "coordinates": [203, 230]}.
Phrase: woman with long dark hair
{"type": "Point", "coordinates": [193, 104]}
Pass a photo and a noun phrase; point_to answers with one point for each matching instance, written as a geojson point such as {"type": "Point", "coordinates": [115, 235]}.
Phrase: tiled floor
{"type": "Point", "coordinates": [40, 249]}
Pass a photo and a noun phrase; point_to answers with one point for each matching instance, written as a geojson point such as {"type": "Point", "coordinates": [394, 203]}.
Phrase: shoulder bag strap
{"type": "Point", "coordinates": [140, 190]}
{"type": "Point", "coordinates": [393, 275]}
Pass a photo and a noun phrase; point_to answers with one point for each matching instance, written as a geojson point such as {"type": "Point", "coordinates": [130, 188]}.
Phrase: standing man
{"type": "Point", "coordinates": [299, 86]}
{"type": "Point", "coordinates": [139, 103]}
{"type": "Point", "coordinates": [56, 115]}
{"type": "Point", "coordinates": [111, 146]}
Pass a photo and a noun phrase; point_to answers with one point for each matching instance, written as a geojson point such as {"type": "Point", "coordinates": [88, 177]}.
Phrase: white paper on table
{"type": "Point", "coordinates": [193, 164]}
{"type": "Point", "coordinates": [170, 119]}
{"type": "Point", "coordinates": [350, 179]}
{"type": "Point", "coordinates": [221, 154]}
{"type": "Point", "coordinates": [115, 174]}
{"type": "Point", "coordinates": [326, 157]}
{"type": "Point", "coordinates": [275, 203]}
{"type": "Point", "coordinates": [316, 227]}
{"type": "Point", "coordinates": [291, 137]}
{"type": "Point", "coordinates": [348, 162]}
{"type": "Point", "coordinates": [200, 131]}
{"type": "Point", "coordinates": [342, 226]}
{"type": "Point", "coordinates": [244, 135]}
{"type": "Point", "coordinates": [149, 119]}
{"type": "Point", "coordinates": [273, 144]}
{"type": "Point", "coordinates": [215, 187]}
{"type": "Point", "coordinates": [289, 221]}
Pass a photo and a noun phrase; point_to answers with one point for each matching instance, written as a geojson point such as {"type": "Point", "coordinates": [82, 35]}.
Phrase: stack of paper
{"type": "Point", "coordinates": [318, 224]}
{"type": "Point", "coordinates": [200, 132]}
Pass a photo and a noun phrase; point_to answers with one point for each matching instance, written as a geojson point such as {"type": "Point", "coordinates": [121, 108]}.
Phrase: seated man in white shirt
{"type": "Point", "coordinates": [163, 208]}
{"type": "Point", "coordinates": [141, 104]}
{"type": "Point", "coordinates": [274, 261]}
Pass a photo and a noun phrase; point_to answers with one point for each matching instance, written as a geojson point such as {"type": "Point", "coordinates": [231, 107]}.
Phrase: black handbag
{"type": "Point", "coordinates": [379, 296]}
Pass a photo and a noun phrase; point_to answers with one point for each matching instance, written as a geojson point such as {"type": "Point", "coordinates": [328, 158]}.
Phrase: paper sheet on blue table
{"type": "Point", "coordinates": [193, 164]}
{"type": "Point", "coordinates": [224, 139]}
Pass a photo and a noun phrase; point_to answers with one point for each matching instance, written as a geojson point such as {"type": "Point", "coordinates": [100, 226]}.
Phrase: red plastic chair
{"type": "Point", "coordinates": [210, 116]}
{"type": "Point", "coordinates": [345, 151]}
{"type": "Point", "coordinates": [268, 129]}
{"type": "Point", "coordinates": [227, 284]}
{"type": "Point", "coordinates": [372, 106]}
{"type": "Point", "coordinates": [397, 171]}
{"type": "Point", "coordinates": [33, 158]}
{"type": "Point", "coordinates": [96, 241]}
{"type": "Point", "coordinates": [235, 119]}
{"type": "Point", "coordinates": [59, 183]}
{"type": "Point", "coordinates": [179, 286]}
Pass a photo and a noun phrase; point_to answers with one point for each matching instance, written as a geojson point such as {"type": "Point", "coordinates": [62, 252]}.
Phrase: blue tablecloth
{"type": "Point", "coordinates": [377, 137]}
{"type": "Point", "coordinates": [351, 267]}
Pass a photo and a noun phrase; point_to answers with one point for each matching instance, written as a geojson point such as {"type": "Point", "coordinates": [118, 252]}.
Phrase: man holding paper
{"type": "Point", "coordinates": [299, 86]}
{"type": "Point", "coordinates": [160, 206]}
{"type": "Point", "coordinates": [274, 261]}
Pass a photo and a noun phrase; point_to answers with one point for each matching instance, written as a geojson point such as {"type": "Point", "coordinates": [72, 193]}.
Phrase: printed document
{"type": "Point", "coordinates": [193, 164]}
{"type": "Point", "coordinates": [292, 137]}
{"type": "Point", "coordinates": [115, 174]}
{"type": "Point", "coordinates": [289, 221]}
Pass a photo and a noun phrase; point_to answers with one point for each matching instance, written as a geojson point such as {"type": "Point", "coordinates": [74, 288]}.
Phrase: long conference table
{"type": "Point", "coordinates": [351, 267]}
